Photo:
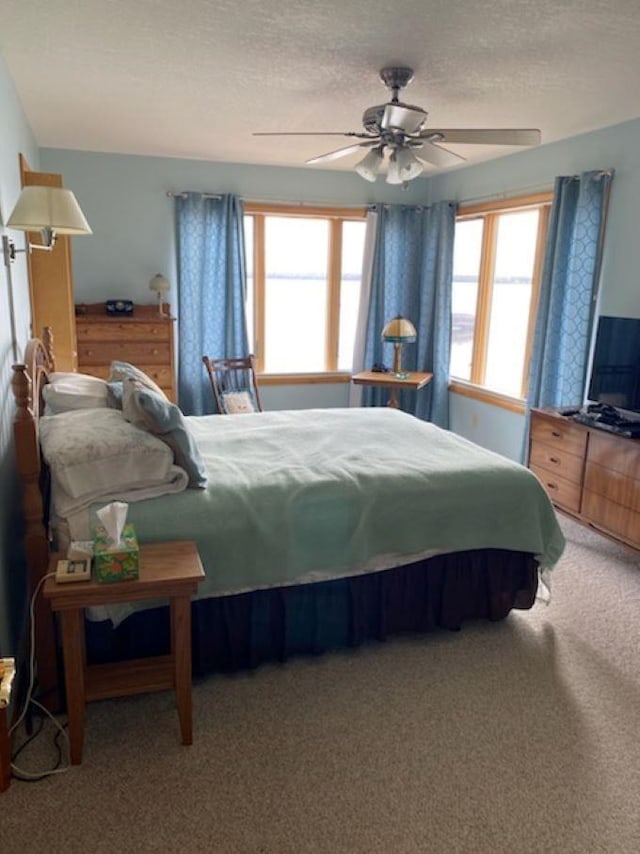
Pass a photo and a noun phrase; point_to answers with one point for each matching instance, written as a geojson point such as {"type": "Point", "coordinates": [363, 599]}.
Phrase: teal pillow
{"type": "Point", "coordinates": [145, 409]}
{"type": "Point", "coordinates": [121, 371]}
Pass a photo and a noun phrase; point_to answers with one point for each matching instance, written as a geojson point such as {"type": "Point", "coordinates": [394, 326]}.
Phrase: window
{"type": "Point", "coordinates": [304, 268]}
{"type": "Point", "coordinates": [497, 262]}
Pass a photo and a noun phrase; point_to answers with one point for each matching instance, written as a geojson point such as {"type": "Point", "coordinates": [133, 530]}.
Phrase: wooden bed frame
{"type": "Point", "coordinates": [27, 381]}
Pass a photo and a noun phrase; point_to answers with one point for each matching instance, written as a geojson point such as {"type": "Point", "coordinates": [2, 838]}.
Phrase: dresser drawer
{"type": "Point", "coordinates": [122, 330]}
{"type": "Point", "coordinates": [611, 517]}
{"type": "Point", "coordinates": [613, 486]}
{"type": "Point", "coordinates": [561, 491]}
{"type": "Point", "coordinates": [158, 373]}
{"type": "Point", "coordinates": [136, 352]}
{"type": "Point", "coordinates": [615, 453]}
{"type": "Point", "coordinates": [559, 433]}
{"type": "Point", "coordinates": [557, 461]}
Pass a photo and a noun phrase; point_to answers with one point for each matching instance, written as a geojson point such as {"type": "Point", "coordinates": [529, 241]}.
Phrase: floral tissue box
{"type": "Point", "coordinates": [116, 564]}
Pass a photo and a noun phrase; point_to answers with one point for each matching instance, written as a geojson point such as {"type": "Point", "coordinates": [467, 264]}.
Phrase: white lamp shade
{"type": "Point", "coordinates": [399, 331]}
{"type": "Point", "coordinates": [408, 164]}
{"type": "Point", "coordinates": [393, 172]}
{"type": "Point", "coordinates": [369, 167]}
{"type": "Point", "coordinates": [159, 284]}
{"type": "Point", "coordinates": [48, 207]}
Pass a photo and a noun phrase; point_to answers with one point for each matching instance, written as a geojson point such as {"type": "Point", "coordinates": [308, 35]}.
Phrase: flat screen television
{"type": "Point", "coordinates": [615, 368]}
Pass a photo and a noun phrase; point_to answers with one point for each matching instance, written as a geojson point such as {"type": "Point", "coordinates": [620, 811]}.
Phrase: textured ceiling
{"type": "Point", "coordinates": [194, 79]}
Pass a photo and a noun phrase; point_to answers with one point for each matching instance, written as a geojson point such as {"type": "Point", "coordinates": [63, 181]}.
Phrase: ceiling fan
{"type": "Point", "coordinates": [398, 130]}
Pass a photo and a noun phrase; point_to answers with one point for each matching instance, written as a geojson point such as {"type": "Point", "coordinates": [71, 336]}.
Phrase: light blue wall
{"type": "Point", "coordinates": [125, 200]}
{"type": "Point", "coordinates": [15, 138]}
{"type": "Point", "coordinates": [535, 169]}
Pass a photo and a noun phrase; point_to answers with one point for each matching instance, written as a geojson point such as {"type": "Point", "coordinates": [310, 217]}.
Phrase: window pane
{"type": "Point", "coordinates": [250, 299]}
{"type": "Point", "coordinates": [511, 297]}
{"type": "Point", "coordinates": [467, 249]}
{"type": "Point", "coordinates": [352, 254]}
{"type": "Point", "coordinates": [295, 294]}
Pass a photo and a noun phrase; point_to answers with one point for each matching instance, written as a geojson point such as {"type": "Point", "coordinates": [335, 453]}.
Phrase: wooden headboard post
{"type": "Point", "coordinates": [26, 384]}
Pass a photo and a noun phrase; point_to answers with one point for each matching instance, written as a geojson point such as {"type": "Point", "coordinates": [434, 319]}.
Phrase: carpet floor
{"type": "Point", "coordinates": [521, 736]}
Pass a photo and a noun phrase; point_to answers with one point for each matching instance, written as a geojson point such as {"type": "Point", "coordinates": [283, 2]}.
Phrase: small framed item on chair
{"type": "Point", "coordinates": [237, 402]}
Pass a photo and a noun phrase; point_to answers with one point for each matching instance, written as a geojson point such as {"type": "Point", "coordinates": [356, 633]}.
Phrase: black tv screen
{"type": "Point", "coordinates": [615, 370]}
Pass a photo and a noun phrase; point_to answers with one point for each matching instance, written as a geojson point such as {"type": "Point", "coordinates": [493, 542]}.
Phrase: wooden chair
{"type": "Point", "coordinates": [234, 385]}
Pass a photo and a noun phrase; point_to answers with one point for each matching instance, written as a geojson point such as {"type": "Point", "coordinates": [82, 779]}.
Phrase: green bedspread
{"type": "Point", "coordinates": [312, 494]}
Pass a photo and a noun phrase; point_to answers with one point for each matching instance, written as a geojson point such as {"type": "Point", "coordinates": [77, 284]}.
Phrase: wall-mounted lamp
{"type": "Point", "coordinates": [160, 285]}
{"type": "Point", "coordinates": [399, 331]}
{"type": "Point", "coordinates": [49, 210]}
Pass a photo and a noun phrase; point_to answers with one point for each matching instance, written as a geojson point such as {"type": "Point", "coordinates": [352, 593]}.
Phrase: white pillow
{"type": "Point", "coordinates": [94, 451]}
{"type": "Point", "coordinates": [66, 392]}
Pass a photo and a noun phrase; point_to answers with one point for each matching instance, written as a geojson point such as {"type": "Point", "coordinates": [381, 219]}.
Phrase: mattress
{"type": "Point", "coordinates": [309, 495]}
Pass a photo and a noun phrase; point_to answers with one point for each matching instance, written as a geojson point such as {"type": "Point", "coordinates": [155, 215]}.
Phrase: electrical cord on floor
{"type": "Point", "coordinates": [59, 768]}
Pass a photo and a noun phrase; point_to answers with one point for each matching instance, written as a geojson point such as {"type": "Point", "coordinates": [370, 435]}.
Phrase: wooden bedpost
{"type": "Point", "coordinates": [35, 538]}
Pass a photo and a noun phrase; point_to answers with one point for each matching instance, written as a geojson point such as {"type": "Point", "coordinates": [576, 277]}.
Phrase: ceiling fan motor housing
{"type": "Point", "coordinates": [372, 118]}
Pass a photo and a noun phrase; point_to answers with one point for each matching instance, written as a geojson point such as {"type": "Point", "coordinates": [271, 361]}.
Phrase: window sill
{"type": "Point", "coordinates": [484, 395]}
{"type": "Point", "coordinates": [326, 377]}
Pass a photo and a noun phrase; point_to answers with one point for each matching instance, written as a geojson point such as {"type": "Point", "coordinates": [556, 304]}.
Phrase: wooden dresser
{"type": "Point", "coordinates": [145, 340]}
{"type": "Point", "coordinates": [590, 473]}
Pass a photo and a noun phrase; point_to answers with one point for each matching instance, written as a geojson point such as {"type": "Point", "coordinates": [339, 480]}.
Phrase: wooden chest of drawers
{"type": "Point", "coordinates": [557, 454]}
{"type": "Point", "coordinates": [145, 340]}
{"type": "Point", "coordinates": [593, 474]}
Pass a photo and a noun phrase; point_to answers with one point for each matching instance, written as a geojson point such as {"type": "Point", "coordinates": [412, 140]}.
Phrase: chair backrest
{"type": "Point", "coordinates": [234, 384]}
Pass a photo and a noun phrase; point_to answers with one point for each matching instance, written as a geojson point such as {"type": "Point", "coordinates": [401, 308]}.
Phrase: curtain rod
{"type": "Point", "coordinates": [182, 194]}
{"type": "Point", "coordinates": [530, 188]}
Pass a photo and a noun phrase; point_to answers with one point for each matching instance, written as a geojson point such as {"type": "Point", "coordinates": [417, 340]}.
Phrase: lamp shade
{"type": "Point", "coordinates": [159, 284]}
{"type": "Point", "coordinates": [409, 166]}
{"type": "Point", "coordinates": [399, 331]}
{"type": "Point", "coordinates": [52, 208]}
{"type": "Point", "coordinates": [369, 167]}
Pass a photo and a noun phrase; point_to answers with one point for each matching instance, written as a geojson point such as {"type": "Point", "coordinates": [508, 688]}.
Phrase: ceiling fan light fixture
{"type": "Point", "coordinates": [408, 164]}
{"type": "Point", "coordinates": [393, 172]}
{"type": "Point", "coordinates": [369, 167]}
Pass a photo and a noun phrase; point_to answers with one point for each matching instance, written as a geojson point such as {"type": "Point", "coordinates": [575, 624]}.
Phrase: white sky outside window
{"type": "Point", "coordinates": [511, 298]}
{"type": "Point", "coordinates": [249, 302]}
{"type": "Point", "coordinates": [353, 234]}
{"type": "Point", "coordinates": [466, 265]}
{"type": "Point", "coordinates": [295, 294]}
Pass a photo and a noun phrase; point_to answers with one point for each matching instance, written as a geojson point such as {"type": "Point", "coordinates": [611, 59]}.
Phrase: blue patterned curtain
{"type": "Point", "coordinates": [411, 276]}
{"type": "Point", "coordinates": [568, 290]}
{"type": "Point", "coordinates": [211, 291]}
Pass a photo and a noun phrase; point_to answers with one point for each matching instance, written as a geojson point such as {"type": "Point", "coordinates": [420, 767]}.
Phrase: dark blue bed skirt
{"type": "Point", "coordinates": [242, 631]}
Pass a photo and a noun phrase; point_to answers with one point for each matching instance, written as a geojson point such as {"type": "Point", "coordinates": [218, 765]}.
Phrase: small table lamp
{"type": "Point", "coordinates": [399, 331]}
{"type": "Point", "coordinates": [161, 286]}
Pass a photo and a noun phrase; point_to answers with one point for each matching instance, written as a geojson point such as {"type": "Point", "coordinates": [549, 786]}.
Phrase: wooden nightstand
{"type": "Point", "coordinates": [170, 570]}
{"type": "Point", "coordinates": [413, 381]}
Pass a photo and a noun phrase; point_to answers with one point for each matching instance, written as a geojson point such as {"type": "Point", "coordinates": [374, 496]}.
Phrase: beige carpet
{"type": "Point", "coordinates": [522, 736]}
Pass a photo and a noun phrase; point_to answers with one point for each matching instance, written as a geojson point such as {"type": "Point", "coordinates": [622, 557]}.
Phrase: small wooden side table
{"type": "Point", "coordinates": [413, 380]}
{"type": "Point", "coordinates": [170, 570]}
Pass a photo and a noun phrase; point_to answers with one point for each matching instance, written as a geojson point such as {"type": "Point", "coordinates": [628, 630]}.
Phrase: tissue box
{"type": "Point", "coordinates": [116, 564]}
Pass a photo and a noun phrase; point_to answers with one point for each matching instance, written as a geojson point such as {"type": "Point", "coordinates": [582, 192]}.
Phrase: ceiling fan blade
{"type": "Point", "coordinates": [341, 152]}
{"type": "Point", "coordinates": [493, 136]}
{"type": "Point", "coordinates": [311, 133]}
{"type": "Point", "coordinates": [401, 117]}
{"type": "Point", "coordinates": [436, 155]}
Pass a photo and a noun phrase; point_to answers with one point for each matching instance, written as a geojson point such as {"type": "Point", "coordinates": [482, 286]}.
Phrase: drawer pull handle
{"type": "Point", "coordinates": [554, 460]}
{"type": "Point", "coordinates": [552, 485]}
{"type": "Point", "coordinates": [556, 434]}
{"type": "Point", "coordinates": [155, 351]}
